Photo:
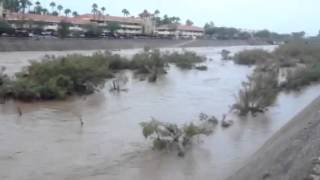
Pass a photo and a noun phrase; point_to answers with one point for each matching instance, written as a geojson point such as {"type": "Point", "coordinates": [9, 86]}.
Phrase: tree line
{"type": "Point", "coordinates": [225, 33]}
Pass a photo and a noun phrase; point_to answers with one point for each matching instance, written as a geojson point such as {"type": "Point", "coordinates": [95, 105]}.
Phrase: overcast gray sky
{"type": "Point", "coordinates": [277, 15]}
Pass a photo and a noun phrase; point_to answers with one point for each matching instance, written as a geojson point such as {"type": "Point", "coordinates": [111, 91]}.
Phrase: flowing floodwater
{"type": "Point", "coordinates": [48, 142]}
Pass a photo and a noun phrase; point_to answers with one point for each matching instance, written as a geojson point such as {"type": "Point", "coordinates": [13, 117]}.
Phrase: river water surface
{"type": "Point", "coordinates": [48, 143]}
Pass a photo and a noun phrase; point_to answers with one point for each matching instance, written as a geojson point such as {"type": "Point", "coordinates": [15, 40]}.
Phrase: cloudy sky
{"type": "Point", "coordinates": [277, 15]}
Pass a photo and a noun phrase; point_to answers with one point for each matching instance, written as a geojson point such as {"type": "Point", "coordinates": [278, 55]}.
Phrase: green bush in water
{"type": "Point", "coordinates": [202, 68]}
{"type": "Point", "coordinates": [148, 61]}
{"type": "Point", "coordinates": [168, 135]}
{"type": "Point", "coordinates": [302, 76]}
{"type": "Point", "coordinates": [258, 93]}
{"type": "Point", "coordinates": [252, 57]}
{"type": "Point", "coordinates": [299, 49]}
{"type": "Point", "coordinates": [185, 60]}
{"type": "Point", "coordinates": [5, 86]}
{"type": "Point", "coordinates": [55, 78]}
{"type": "Point", "coordinates": [59, 77]}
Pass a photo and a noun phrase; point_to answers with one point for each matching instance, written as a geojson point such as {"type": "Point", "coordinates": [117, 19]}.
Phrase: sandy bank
{"type": "Point", "coordinates": [16, 44]}
{"type": "Point", "coordinates": [289, 153]}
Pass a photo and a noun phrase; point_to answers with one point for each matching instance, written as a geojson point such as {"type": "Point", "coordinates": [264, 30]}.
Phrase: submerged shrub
{"type": "Point", "coordinates": [59, 77]}
{"type": "Point", "coordinates": [201, 68]}
{"type": "Point", "coordinates": [258, 93]}
{"type": "Point", "coordinates": [225, 54]}
{"type": "Point", "coordinates": [56, 78]}
{"type": "Point", "coordinates": [169, 135]}
{"type": "Point", "coordinates": [299, 49]}
{"type": "Point", "coordinates": [185, 60]}
{"type": "Point", "coordinates": [5, 86]}
{"type": "Point", "coordinates": [252, 57]}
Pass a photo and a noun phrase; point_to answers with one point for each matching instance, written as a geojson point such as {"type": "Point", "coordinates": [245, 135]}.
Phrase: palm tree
{"type": "Point", "coordinates": [125, 12]}
{"type": "Point", "coordinates": [144, 14]}
{"type": "Point", "coordinates": [75, 13]}
{"type": "Point", "coordinates": [67, 12]}
{"type": "Point", "coordinates": [44, 11]}
{"type": "Point", "coordinates": [156, 12]}
{"type": "Point", "coordinates": [60, 8]}
{"type": "Point", "coordinates": [103, 9]}
{"type": "Point", "coordinates": [94, 9]}
{"type": "Point", "coordinates": [23, 5]}
{"type": "Point", "coordinates": [189, 22]}
{"type": "Point", "coordinates": [29, 4]}
{"type": "Point", "coordinates": [52, 5]}
{"type": "Point", "coordinates": [38, 8]}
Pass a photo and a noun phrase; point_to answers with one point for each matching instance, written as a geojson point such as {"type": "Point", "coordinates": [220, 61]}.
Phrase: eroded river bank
{"type": "Point", "coordinates": [47, 141]}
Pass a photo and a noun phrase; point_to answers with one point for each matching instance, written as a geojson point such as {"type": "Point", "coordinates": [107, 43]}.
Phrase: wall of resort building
{"type": "Point", "coordinates": [184, 31]}
{"type": "Point", "coordinates": [128, 25]}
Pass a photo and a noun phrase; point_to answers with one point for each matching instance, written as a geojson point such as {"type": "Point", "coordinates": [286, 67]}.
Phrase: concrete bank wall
{"type": "Point", "coordinates": [291, 153]}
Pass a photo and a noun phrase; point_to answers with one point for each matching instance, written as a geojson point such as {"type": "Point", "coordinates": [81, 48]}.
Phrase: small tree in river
{"type": "Point", "coordinates": [258, 93]}
{"type": "Point", "coordinates": [169, 135]}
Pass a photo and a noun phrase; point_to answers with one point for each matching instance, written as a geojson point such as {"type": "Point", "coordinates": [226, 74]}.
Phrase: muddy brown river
{"type": "Point", "coordinates": [48, 143]}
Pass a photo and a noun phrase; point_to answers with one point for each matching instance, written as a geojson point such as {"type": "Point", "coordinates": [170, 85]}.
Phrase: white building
{"type": "Point", "coordinates": [180, 31]}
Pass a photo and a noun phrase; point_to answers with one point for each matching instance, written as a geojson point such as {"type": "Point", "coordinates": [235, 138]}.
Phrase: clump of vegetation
{"type": "Point", "coordinates": [202, 68]}
{"type": "Point", "coordinates": [299, 50]}
{"type": "Point", "coordinates": [93, 30]}
{"type": "Point", "coordinates": [226, 54]}
{"type": "Point", "coordinates": [169, 135]}
{"type": "Point", "coordinates": [56, 78]}
{"type": "Point", "coordinates": [185, 60]}
{"type": "Point", "coordinates": [149, 62]}
{"type": "Point", "coordinates": [258, 93]}
{"type": "Point", "coordinates": [302, 76]}
{"type": "Point", "coordinates": [118, 83]}
{"type": "Point", "coordinates": [59, 77]}
{"type": "Point", "coordinates": [64, 29]}
{"type": "Point", "coordinates": [5, 27]}
{"type": "Point", "coordinates": [252, 57]}
{"type": "Point", "coordinates": [5, 85]}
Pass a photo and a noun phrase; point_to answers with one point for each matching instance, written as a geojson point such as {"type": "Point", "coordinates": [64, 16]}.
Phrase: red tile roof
{"type": "Point", "coordinates": [44, 18]}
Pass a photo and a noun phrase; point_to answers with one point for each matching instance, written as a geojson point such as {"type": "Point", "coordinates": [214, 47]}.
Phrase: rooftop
{"type": "Point", "coordinates": [82, 19]}
{"type": "Point", "coordinates": [100, 17]}
{"type": "Point", "coordinates": [44, 18]}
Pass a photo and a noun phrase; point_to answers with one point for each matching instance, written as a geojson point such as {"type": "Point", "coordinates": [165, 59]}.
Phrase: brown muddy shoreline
{"type": "Point", "coordinates": [291, 153]}
{"type": "Point", "coordinates": [29, 44]}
